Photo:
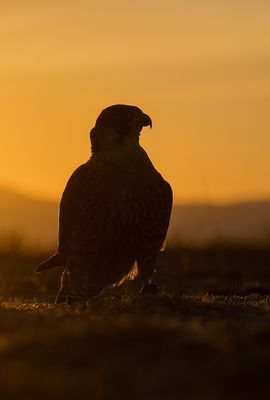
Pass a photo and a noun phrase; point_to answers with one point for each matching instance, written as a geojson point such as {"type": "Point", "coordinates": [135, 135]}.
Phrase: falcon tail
{"type": "Point", "coordinates": [56, 260]}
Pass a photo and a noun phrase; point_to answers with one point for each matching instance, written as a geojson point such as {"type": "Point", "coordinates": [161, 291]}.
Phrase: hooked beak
{"type": "Point", "coordinates": [146, 120]}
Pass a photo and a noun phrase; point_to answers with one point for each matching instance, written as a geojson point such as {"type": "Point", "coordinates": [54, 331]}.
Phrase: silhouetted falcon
{"type": "Point", "coordinates": [114, 212]}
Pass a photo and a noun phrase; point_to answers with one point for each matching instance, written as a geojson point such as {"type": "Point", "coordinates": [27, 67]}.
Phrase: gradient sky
{"type": "Point", "coordinates": [200, 69]}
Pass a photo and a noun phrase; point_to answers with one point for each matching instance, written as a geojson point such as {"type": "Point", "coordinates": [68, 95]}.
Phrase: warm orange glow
{"type": "Point", "coordinates": [199, 69]}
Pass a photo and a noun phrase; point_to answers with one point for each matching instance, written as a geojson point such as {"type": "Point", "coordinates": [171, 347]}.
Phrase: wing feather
{"type": "Point", "coordinates": [70, 206]}
{"type": "Point", "coordinates": [155, 226]}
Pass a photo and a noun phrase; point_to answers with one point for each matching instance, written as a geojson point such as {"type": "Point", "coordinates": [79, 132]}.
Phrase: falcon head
{"type": "Point", "coordinates": [118, 126]}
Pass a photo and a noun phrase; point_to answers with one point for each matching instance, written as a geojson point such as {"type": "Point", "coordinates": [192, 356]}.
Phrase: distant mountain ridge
{"type": "Point", "coordinates": [207, 223]}
{"type": "Point", "coordinates": [37, 221]}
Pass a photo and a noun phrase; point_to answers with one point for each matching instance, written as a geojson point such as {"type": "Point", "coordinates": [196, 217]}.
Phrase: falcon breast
{"type": "Point", "coordinates": [114, 212]}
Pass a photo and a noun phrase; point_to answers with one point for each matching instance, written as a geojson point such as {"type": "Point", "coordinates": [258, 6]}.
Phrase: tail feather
{"type": "Point", "coordinates": [56, 260]}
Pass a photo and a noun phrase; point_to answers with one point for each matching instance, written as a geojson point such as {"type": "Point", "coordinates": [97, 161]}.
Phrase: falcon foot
{"type": "Point", "coordinates": [61, 300]}
{"type": "Point", "coordinates": [69, 300]}
{"type": "Point", "coordinates": [150, 288]}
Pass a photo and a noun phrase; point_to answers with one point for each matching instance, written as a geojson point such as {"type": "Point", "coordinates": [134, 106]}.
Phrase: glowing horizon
{"type": "Point", "coordinates": [201, 71]}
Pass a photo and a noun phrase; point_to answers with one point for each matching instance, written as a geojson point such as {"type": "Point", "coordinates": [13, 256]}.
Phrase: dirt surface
{"type": "Point", "coordinates": [206, 335]}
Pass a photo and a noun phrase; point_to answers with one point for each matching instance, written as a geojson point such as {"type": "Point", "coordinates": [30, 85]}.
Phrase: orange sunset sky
{"type": "Point", "coordinates": [200, 69]}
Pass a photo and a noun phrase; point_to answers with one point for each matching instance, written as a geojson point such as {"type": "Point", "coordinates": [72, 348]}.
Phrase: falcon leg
{"type": "Point", "coordinates": [71, 292]}
{"type": "Point", "coordinates": [146, 273]}
{"type": "Point", "coordinates": [61, 297]}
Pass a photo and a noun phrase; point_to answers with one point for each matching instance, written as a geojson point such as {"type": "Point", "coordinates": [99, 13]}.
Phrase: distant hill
{"type": "Point", "coordinates": [205, 223]}
{"type": "Point", "coordinates": [37, 221]}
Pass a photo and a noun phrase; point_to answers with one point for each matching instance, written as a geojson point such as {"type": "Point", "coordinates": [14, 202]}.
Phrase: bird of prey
{"type": "Point", "coordinates": [114, 212]}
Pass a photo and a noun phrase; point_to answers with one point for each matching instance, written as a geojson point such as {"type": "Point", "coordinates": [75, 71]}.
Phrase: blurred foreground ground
{"type": "Point", "coordinates": [205, 336]}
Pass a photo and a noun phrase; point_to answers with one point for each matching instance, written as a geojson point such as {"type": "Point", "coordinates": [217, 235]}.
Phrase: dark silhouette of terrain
{"type": "Point", "coordinates": [193, 224]}
{"type": "Point", "coordinates": [35, 220]}
{"type": "Point", "coordinates": [245, 222]}
{"type": "Point", "coordinates": [205, 335]}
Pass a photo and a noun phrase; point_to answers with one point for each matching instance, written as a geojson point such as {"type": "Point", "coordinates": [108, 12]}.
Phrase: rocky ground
{"type": "Point", "coordinates": [206, 335]}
